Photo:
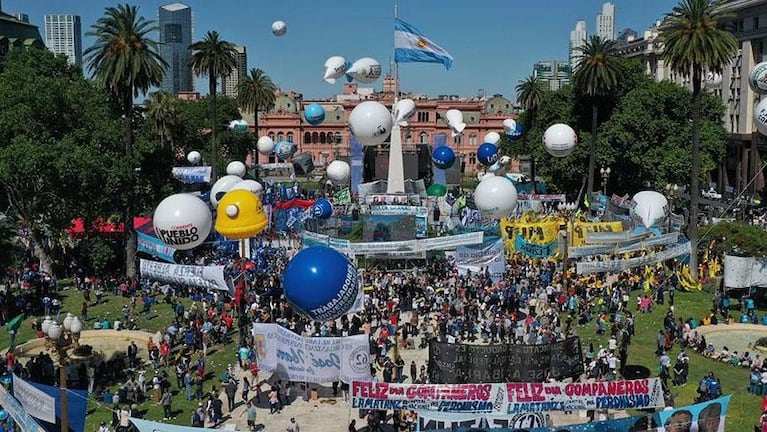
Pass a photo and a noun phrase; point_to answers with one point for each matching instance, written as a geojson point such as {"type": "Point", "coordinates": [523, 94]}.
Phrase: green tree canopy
{"type": "Point", "coordinates": [738, 238]}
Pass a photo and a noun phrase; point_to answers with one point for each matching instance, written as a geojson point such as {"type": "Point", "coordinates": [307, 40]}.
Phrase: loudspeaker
{"type": "Point", "coordinates": [303, 163]}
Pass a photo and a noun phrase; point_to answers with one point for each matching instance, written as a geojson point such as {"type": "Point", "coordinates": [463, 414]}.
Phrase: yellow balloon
{"type": "Point", "coordinates": [240, 215]}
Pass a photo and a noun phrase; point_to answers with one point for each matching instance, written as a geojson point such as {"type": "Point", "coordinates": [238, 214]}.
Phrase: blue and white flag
{"type": "Point", "coordinates": [410, 45]}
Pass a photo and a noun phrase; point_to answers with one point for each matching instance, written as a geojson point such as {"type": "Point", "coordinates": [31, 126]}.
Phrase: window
{"type": "Point", "coordinates": [756, 22]}
{"type": "Point", "coordinates": [307, 137]}
{"type": "Point", "coordinates": [423, 116]}
{"type": "Point", "coordinates": [472, 158]}
{"type": "Point", "coordinates": [472, 140]}
{"type": "Point", "coordinates": [338, 137]}
{"type": "Point", "coordinates": [290, 136]}
{"type": "Point", "coordinates": [315, 137]}
{"type": "Point", "coordinates": [423, 138]}
{"type": "Point", "coordinates": [271, 136]}
{"type": "Point", "coordinates": [457, 140]}
{"type": "Point", "coordinates": [280, 136]}
{"type": "Point", "coordinates": [322, 138]}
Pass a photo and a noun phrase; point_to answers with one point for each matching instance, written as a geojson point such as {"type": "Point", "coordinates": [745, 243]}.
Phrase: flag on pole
{"type": "Point", "coordinates": [410, 45]}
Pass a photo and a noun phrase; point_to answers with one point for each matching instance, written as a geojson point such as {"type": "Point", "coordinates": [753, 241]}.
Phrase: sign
{"type": "Point", "coordinates": [580, 228]}
{"type": "Point", "coordinates": [464, 363]}
{"type": "Point", "coordinates": [745, 272]}
{"type": "Point", "coordinates": [421, 214]}
{"type": "Point", "coordinates": [195, 174]}
{"type": "Point", "coordinates": [621, 248]}
{"type": "Point", "coordinates": [509, 398]}
{"type": "Point", "coordinates": [316, 360]}
{"type": "Point", "coordinates": [618, 236]}
{"type": "Point", "coordinates": [436, 421]}
{"type": "Point", "coordinates": [385, 199]}
{"type": "Point", "coordinates": [342, 197]}
{"type": "Point", "coordinates": [35, 402]}
{"type": "Point", "coordinates": [615, 266]}
{"type": "Point", "coordinates": [531, 231]}
{"type": "Point", "coordinates": [207, 277]}
{"type": "Point", "coordinates": [409, 246]}
{"type": "Point", "coordinates": [14, 408]}
{"type": "Point", "coordinates": [489, 255]}
{"type": "Point", "coordinates": [152, 426]}
{"type": "Point", "coordinates": [542, 197]}
{"type": "Point", "coordinates": [534, 250]}
{"type": "Point", "coordinates": [626, 203]}
{"type": "Point", "coordinates": [155, 247]}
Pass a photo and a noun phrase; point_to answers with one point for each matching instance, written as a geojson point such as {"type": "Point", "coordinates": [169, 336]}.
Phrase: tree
{"type": "Point", "coordinates": [255, 93]}
{"type": "Point", "coordinates": [163, 114]}
{"type": "Point", "coordinates": [529, 94]}
{"type": "Point", "coordinates": [125, 61]}
{"type": "Point", "coordinates": [596, 77]}
{"type": "Point", "coordinates": [693, 41]}
{"type": "Point", "coordinates": [739, 239]}
{"type": "Point", "coordinates": [213, 57]}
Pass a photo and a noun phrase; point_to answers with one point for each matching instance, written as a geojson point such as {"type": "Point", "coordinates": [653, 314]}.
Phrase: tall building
{"type": "Point", "coordinates": [240, 70]}
{"type": "Point", "coordinates": [175, 37]}
{"type": "Point", "coordinates": [606, 22]}
{"type": "Point", "coordinates": [64, 36]}
{"type": "Point", "coordinates": [578, 38]}
{"type": "Point", "coordinates": [555, 73]}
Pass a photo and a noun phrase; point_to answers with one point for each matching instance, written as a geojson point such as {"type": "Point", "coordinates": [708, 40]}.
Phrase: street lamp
{"type": "Point", "coordinates": [672, 192]}
{"type": "Point", "coordinates": [605, 172]}
{"type": "Point", "coordinates": [58, 340]}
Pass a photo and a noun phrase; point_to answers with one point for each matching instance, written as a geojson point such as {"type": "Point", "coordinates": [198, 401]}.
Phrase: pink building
{"type": "Point", "coordinates": [331, 139]}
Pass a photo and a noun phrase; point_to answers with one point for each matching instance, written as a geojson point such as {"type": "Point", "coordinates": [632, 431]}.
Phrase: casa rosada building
{"type": "Point", "coordinates": [331, 139]}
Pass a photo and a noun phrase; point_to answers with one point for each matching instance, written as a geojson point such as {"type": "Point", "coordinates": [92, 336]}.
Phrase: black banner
{"type": "Point", "coordinates": [463, 363]}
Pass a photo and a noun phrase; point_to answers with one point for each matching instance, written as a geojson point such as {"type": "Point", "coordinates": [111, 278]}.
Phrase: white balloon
{"type": "Point", "coordinates": [222, 186]}
{"type": "Point", "coordinates": [365, 70]}
{"type": "Point", "coordinates": [279, 28]}
{"type": "Point", "coordinates": [757, 79]}
{"type": "Point", "coordinates": [182, 221]}
{"type": "Point", "coordinates": [194, 157]}
{"type": "Point", "coordinates": [492, 138]}
{"type": "Point", "coordinates": [238, 125]}
{"type": "Point", "coordinates": [403, 110]}
{"type": "Point", "coordinates": [713, 80]}
{"type": "Point", "coordinates": [495, 197]}
{"type": "Point", "coordinates": [236, 168]}
{"type": "Point", "coordinates": [455, 121]}
{"type": "Point", "coordinates": [760, 116]}
{"type": "Point", "coordinates": [335, 67]}
{"type": "Point", "coordinates": [560, 140]}
{"type": "Point", "coordinates": [338, 171]}
{"type": "Point", "coordinates": [265, 145]}
{"type": "Point", "coordinates": [651, 207]}
{"type": "Point", "coordinates": [249, 185]}
{"type": "Point", "coordinates": [510, 127]}
{"type": "Point", "coordinates": [370, 122]}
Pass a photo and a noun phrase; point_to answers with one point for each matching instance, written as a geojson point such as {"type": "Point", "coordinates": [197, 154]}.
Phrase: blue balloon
{"type": "Point", "coordinates": [516, 133]}
{"type": "Point", "coordinates": [320, 283]}
{"type": "Point", "coordinates": [487, 154]}
{"type": "Point", "coordinates": [314, 114]}
{"type": "Point", "coordinates": [322, 209]}
{"type": "Point", "coordinates": [284, 149]}
{"type": "Point", "coordinates": [443, 157]}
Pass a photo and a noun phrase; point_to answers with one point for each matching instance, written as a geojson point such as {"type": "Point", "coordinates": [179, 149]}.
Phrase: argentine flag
{"type": "Point", "coordinates": [411, 46]}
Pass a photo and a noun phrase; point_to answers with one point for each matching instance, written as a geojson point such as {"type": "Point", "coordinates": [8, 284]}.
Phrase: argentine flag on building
{"type": "Point", "coordinates": [412, 46]}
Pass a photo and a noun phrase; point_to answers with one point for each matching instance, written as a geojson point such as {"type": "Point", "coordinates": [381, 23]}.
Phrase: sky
{"type": "Point", "coordinates": [494, 43]}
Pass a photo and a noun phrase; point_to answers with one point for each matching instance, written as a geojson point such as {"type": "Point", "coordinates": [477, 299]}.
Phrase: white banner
{"type": "Point", "coordinates": [624, 264]}
{"type": "Point", "coordinates": [312, 359]}
{"type": "Point", "coordinates": [620, 248]}
{"type": "Point", "coordinates": [490, 255]}
{"type": "Point", "coordinates": [430, 420]}
{"type": "Point", "coordinates": [364, 248]}
{"type": "Point", "coordinates": [36, 402]}
{"type": "Point", "coordinates": [745, 272]}
{"type": "Point", "coordinates": [194, 174]}
{"type": "Point", "coordinates": [208, 277]}
{"type": "Point", "coordinates": [23, 420]}
{"type": "Point", "coordinates": [153, 426]}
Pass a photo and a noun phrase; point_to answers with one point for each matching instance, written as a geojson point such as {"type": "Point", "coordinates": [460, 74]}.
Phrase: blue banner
{"type": "Point", "coordinates": [155, 247]}
{"type": "Point", "coordinates": [534, 250]}
{"type": "Point", "coordinates": [193, 174]}
{"type": "Point", "coordinates": [439, 174]}
{"type": "Point", "coordinates": [77, 407]}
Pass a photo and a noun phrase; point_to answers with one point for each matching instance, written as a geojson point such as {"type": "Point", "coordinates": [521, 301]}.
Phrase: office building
{"type": "Point", "coordinates": [64, 36]}
{"type": "Point", "coordinates": [606, 22]}
{"type": "Point", "coordinates": [578, 38]}
{"type": "Point", "coordinates": [554, 73]}
{"type": "Point", "coordinates": [229, 82]}
{"type": "Point", "coordinates": [175, 23]}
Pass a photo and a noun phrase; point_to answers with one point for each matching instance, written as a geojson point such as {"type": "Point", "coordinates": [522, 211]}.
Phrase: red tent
{"type": "Point", "coordinates": [103, 228]}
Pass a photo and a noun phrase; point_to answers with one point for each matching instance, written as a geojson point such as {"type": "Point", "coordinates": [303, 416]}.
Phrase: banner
{"type": "Point", "coordinates": [580, 228]}
{"type": "Point", "coordinates": [533, 250]}
{"type": "Point", "coordinates": [442, 421]}
{"type": "Point", "coordinates": [36, 403]}
{"type": "Point", "coordinates": [619, 236]}
{"type": "Point", "coordinates": [531, 231]}
{"type": "Point", "coordinates": [152, 426]}
{"type": "Point", "coordinates": [207, 277]}
{"type": "Point", "coordinates": [745, 272]}
{"type": "Point", "coordinates": [421, 214]}
{"type": "Point", "coordinates": [155, 247]}
{"type": "Point", "coordinates": [77, 407]}
{"type": "Point", "coordinates": [509, 398]}
{"type": "Point", "coordinates": [193, 174]}
{"type": "Point", "coordinates": [312, 359]}
{"type": "Point", "coordinates": [13, 407]}
{"type": "Point", "coordinates": [489, 255]}
{"type": "Point", "coordinates": [464, 363]}
{"type": "Point", "coordinates": [542, 197]}
{"type": "Point", "coordinates": [616, 266]}
{"type": "Point", "coordinates": [410, 246]}
{"type": "Point", "coordinates": [623, 247]}
{"type": "Point", "coordinates": [342, 197]}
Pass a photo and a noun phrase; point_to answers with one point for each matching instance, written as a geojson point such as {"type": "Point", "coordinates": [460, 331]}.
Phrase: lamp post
{"type": "Point", "coordinates": [58, 340]}
{"type": "Point", "coordinates": [605, 172]}
{"type": "Point", "coordinates": [567, 209]}
{"type": "Point", "coordinates": [672, 192]}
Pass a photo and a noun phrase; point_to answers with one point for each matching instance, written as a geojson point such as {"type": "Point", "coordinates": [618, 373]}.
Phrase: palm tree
{"type": "Point", "coordinates": [529, 93]}
{"type": "Point", "coordinates": [595, 76]}
{"type": "Point", "coordinates": [213, 57]}
{"type": "Point", "coordinates": [694, 41]}
{"type": "Point", "coordinates": [124, 60]}
{"type": "Point", "coordinates": [255, 93]}
{"type": "Point", "coordinates": [163, 114]}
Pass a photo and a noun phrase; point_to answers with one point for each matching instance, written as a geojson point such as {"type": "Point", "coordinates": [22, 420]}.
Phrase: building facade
{"type": "Point", "coordinates": [229, 82]}
{"type": "Point", "coordinates": [606, 22]}
{"type": "Point", "coordinates": [15, 33]}
{"type": "Point", "coordinates": [64, 36]}
{"type": "Point", "coordinates": [554, 73]}
{"type": "Point", "coordinates": [578, 38]}
{"type": "Point", "coordinates": [175, 21]}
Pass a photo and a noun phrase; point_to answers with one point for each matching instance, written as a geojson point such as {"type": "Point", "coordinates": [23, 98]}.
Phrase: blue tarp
{"type": "Point", "coordinates": [77, 407]}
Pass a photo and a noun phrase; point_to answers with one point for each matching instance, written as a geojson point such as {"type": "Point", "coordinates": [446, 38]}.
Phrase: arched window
{"type": "Point", "coordinates": [338, 138]}
{"type": "Point", "coordinates": [472, 140]}
{"type": "Point", "coordinates": [472, 158]}
{"type": "Point", "coordinates": [290, 136]}
{"type": "Point", "coordinates": [271, 136]}
{"type": "Point", "coordinates": [322, 138]}
{"type": "Point", "coordinates": [423, 138]}
{"type": "Point", "coordinates": [315, 137]}
{"type": "Point", "coordinates": [457, 139]}
{"type": "Point", "coordinates": [280, 136]}
{"type": "Point", "coordinates": [307, 137]}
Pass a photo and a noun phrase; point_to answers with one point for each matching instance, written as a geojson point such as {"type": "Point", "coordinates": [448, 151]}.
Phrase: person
{"type": "Point", "coordinates": [353, 426]}
{"type": "Point", "coordinates": [274, 402]}
{"type": "Point", "coordinates": [679, 421]}
{"type": "Point", "coordinates": [763, 422]}
{"type": "Point", "coordinates": [245, 388]}
{"type": "Point", "coordinates": [709, 418]}
{"type": "Point", "coordinates": [198, 416]}
{"type": "Point", "coordinates": [167, 399]}
{"type": "Point", "coordinates": [132, 353]}
{"type": "Point", "coordinates": [251, 413]}
{"type": "Point", "coordinates": [231, 392]}
{"type": "Point", "coordinates": [103, 427]}
{"type": "Point", "coordinates": [292, 425]}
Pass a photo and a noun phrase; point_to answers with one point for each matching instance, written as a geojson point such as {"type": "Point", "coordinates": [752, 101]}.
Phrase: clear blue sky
{"type": "Point", "coordinates": [494, 42]}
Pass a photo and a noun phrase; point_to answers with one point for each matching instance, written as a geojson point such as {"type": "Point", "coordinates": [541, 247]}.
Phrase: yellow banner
{"type": "Point", "coordinates": [580, 228]}
{"type": "Point", "coordinates": [538, 232]}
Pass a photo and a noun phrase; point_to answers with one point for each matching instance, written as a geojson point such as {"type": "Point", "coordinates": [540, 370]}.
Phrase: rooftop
{"type": "Point", "coordinates": [174, 7]}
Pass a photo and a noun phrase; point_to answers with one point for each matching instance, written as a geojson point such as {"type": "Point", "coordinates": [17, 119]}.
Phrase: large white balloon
{"type": "Point", "coordinates": [365, 70]}
{"type": "Point", "coordinates": [403, 110]}
{"type": "Point", "coordinates": [194, 157]}
{"type": "Point", "coordinates": [495, 197]}
{"type": "Point", "coordinates": [265, 145]}
{"type": "Point", "coordinates": [338, 171]}
{"type": "Point", "coordinates": [560, 140]}
{"type": "Point", "coordinates": [492, 138]}
{"type": "Point", "coordinates": [757, 80]}
{"type": "Point", "coordinates": [370, 122]}
{"type": "Point", "coordinates": [279, 28]}
{"type": "Point", "coordinates": [455, 121]}
{"type": "Point", "coordinates": [249, 185]}
{"type": "Point", "coordinates": [236, 168]}
{"type": "Point", "coordinates": [713, 80]}
{"type": "Point", "coordinates": [651, 208]}
{"type": "Point", "coordinates": [222, 186]}
{"type": "Point", "coordinates": [335, 67]}
{"type": "Point", "coordinates": [760, 116]}
{"type": "Point", "coordinates": [182, 221]}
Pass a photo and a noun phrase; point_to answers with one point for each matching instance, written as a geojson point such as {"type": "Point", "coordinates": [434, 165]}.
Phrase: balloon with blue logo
{"type": "Point", "coordinates": [322, 209]}
{"type": "Point", "coordinates": [487, 154]}
{"type": "Point", "coordinates": [284, 149]}
{"type": "Point", "coordinates": [320, 283]}
{"type": "Point", "coordinates": [314, 114]}
{"type": "Point", "coordinates": [443, 157]}
{"type": "Point", "coordinates": [512, 128]}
